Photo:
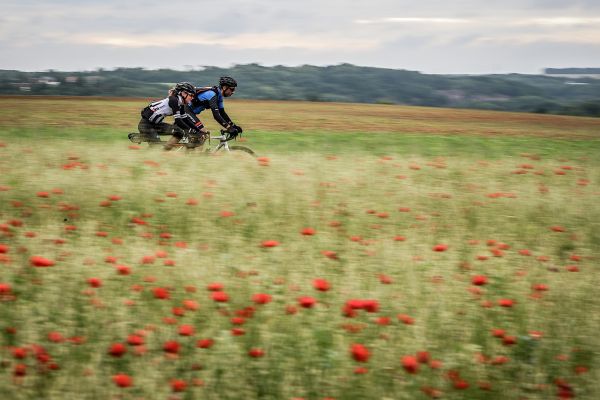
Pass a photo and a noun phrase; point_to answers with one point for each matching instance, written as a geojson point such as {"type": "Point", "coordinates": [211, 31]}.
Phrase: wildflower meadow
{"type": "Point", "coordinates": [443, 254]}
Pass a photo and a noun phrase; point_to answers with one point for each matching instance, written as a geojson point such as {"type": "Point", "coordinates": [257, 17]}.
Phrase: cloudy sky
{"type": "Point", "coordinates": [432, 36]}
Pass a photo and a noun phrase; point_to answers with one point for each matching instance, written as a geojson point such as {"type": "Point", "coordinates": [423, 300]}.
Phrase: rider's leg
{"type": "Point", "coordinates": [173, 140]}
{"type": "Point", "coordinates": [149, 130]}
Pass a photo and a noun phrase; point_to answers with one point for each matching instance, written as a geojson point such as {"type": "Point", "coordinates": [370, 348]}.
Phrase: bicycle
{"type": "Point", "coordinates": [191, 142]}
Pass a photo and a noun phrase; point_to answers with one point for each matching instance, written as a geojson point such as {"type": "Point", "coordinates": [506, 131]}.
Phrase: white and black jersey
{"type": "Point", "coordinates": [174, 105]}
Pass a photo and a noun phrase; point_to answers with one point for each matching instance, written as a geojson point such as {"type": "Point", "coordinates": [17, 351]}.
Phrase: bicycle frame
{"type": "Point", "coordinates": [223, 139]}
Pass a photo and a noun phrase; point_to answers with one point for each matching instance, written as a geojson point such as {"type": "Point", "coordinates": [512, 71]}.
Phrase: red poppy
{"type": "Point", "coordinates": [178, 385]}
{"type": "Point", "coordinates": [321, 285]}
{"type": "Point", "coordinates": [205, 343]}
{"type": "Point", "coordinates": [308, 231]}
{"type": "Point", "coordinates": [261, 298]}
{"type": "Point", "coordinates": [256, 353]}
{"type": "Point", "coordinates": [269, 243]}
{"type": "Point", "coordinates": [161, 293]}
{"type": "Point", "coordinates": [215, 286]}
{"type": "Point", "coordinates": [359, 352]}
{"type": "Point", "coordinates": [506, 303]}
{"type": "Point", "coordinates": [171, 347]}
{"type": "Point", "coordinates": [440, 247]}
{"type": "Point", "coordinates": [423, 357]}
{"type": "Point", "coordinates": [123, 269]}
{"type": "Point", "coordinates": [307, 302]}
{"type": "Point", "coordinates": [38, 261]}
{"type": "Point", "coordinates": [95, 282]}
{"type": "Point", "coordinates": [55, 337]}
{"type": "Point", "coordinates": [191, 305]}
{"type": "Point", "coordinates": [410, 364]}
{"type": "Point", "coordinates": [360, 370]}
{"type": "Point", "coordinates": [19, 353]}
{"type": "Point", "coordinates": [117, 349]}
{"type": "Point", "coordinates": [220, 297]}
{"type": "Point", "coordinates": [479, 280]}
{"type": "Point", "coordinates": [498, 333]}
{"type": "Point", "coordinates": [3, 248]}
{"type": "Point", "coordinates": [5, 288]}
{"type": "Point", "coordinates": [20, 370]}
{"type": "Point", "coordinates": [186, 330]}
{"type": "Point", "coordinates": [330, 254]}
{"type": "Point", "coordinates": [370, 305]}
{"type": "Point", "coordinates": [405, 319]}
{"type": "Point", "coordinates": [135, 340]}
{"type": "Point", "coordinates": [122, 380]}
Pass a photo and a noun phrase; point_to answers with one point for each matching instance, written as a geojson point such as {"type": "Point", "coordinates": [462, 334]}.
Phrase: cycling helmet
{"type": "Point", "coordinates": [227, 81]}
{"type": "Point", "coordinates": [185, 87]}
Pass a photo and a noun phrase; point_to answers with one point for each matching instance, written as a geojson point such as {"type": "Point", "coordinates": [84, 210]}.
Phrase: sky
{"type": "Point", "coordinates": [430, 36]}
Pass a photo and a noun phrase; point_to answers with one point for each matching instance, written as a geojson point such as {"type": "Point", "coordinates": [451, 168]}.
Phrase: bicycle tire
{"type": "Point", "coordinates": [243, 149]}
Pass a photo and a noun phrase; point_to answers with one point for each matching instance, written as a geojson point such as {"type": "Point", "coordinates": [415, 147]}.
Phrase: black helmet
{"type": "Point", "coordinates": [185, 87]}
{"type": "Point", "coordinates": [227, 81]}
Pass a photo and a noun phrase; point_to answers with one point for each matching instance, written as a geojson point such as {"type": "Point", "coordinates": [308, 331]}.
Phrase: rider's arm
{"type": "Point", "coordinates": [186, 119]}
{"type": "Point", "coordinates": [223, 120]}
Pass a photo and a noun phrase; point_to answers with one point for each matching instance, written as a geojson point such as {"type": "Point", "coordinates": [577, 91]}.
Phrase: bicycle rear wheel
{"type": "Point", "coordinates": [241, 150]}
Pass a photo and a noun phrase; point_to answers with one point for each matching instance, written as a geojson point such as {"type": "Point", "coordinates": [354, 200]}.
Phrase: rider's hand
{"type": "Point", "coordinates": [239, 128]}
{"type": "Point", "coordinates": [232, 129]}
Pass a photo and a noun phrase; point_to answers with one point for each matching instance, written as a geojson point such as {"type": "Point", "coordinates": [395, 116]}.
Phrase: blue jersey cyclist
{"type": "Point", "coordinates": [212, 98]}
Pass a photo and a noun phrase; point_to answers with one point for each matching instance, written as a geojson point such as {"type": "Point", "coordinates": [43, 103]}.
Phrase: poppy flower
{"type": "Point", "coordinates": [122, 380]}
{"type": "Point", "coordinates": [117, 349]}
{"type": "Point", "coordinates": [256, 353]}
{"type": "Point", "coordinates": [359, 352]}
{"type": "Point", "coordinates": [171, 347]}
{"type": "Point", "coordinates": [308, 231]}
{"type": "Point", "coordinates": [215, 287]}
{"type": "Point", "coordinates": [3, 248]}
{"type": "Point", "coordinates": [135, 340]}
{"type": "Point", "coordinates": [161, 293]}
{"type": "Point", "coordinates": [95, 282]}
{"type": "Point", "coordinates": [19, 353]}
{"type": "Point", "coordinates": [410, 364]}
{"type": "Point", "coordinates": [191, 305]}
{"type": "Point", "coordinates": [440, 247]}
{"type": "Point", "coordinates": [38, 261]}
{"type": "Point", "coordinates": [205, 343]}
{"type": "Point", "coordinates": [5, 288]}
{"type": "Point", "coordinates": [332, 255]}
{"type": "Point", "coordinates": [220, 297]}
{"type": "Point", "coordinates": [405, 319]}
{"type": "Point", "coordinates": [55, 337]}
{"type": "Point", "coordinates": [20, 370]}
{"type": "Point", "coordinates": [307, 302]}
{"type": "Point", "coordinates": [178, 385]}
{"type": "Point", "coordinates": [507, 303]}
{"type": "Point", "coordinates": [186, 330]}
{"type": "Point", "coordinates": [261, 298]}
{"type": "Point", "coordinates": [123, 269]}
{"type": "Point", "coordinates": [479, 280]}
{"type": "Point", "coordinates": [370, 305]}
{"type": "Point", "coordinates": [269, 243]}
{"type": "Point", "coordinates": [321, 285]}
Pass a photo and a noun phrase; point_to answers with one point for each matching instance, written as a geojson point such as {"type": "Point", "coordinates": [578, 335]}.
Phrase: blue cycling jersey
{"type": "Point", "coordinates": [203, 101]}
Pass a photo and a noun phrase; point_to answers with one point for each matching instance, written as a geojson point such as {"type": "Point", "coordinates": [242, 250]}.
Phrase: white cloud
{"type": "Point", "coordinates": [412, 20]}
{"type": "Point", "coordinates": [264, 41]}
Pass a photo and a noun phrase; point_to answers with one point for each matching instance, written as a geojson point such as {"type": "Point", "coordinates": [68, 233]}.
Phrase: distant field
{"type": "Point", "coordinates": [371, 252]}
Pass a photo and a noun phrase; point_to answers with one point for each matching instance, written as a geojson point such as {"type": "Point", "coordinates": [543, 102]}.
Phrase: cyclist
{"type": "Point", "coordinates": [176, 104]}
{"type": "Point", "coordinates": [212, 98]}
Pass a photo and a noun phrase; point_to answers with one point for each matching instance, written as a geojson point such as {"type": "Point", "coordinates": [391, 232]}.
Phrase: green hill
{"type": "Point", "coordinates": [341, 83]}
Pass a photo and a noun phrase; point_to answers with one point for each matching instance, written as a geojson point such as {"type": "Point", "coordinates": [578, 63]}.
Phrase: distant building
{"type": "Point", "coordinates": [48, 80]}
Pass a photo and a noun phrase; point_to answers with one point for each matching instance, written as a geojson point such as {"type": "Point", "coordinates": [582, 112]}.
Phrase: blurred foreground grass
{"type": "Point", "coordinates": [465, 267]}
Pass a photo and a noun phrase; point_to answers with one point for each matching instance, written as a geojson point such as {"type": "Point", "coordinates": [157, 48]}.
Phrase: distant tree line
{"type": "Point", "coordinates": [341, 83]}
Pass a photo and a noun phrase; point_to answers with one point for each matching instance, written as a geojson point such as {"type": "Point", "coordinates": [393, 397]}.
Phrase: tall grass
{"type": "Point", "coordinates": [182, 222]}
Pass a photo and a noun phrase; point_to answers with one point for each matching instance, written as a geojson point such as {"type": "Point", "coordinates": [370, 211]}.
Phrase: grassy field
{"type": "Point", "coordinates": [371, 252]}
